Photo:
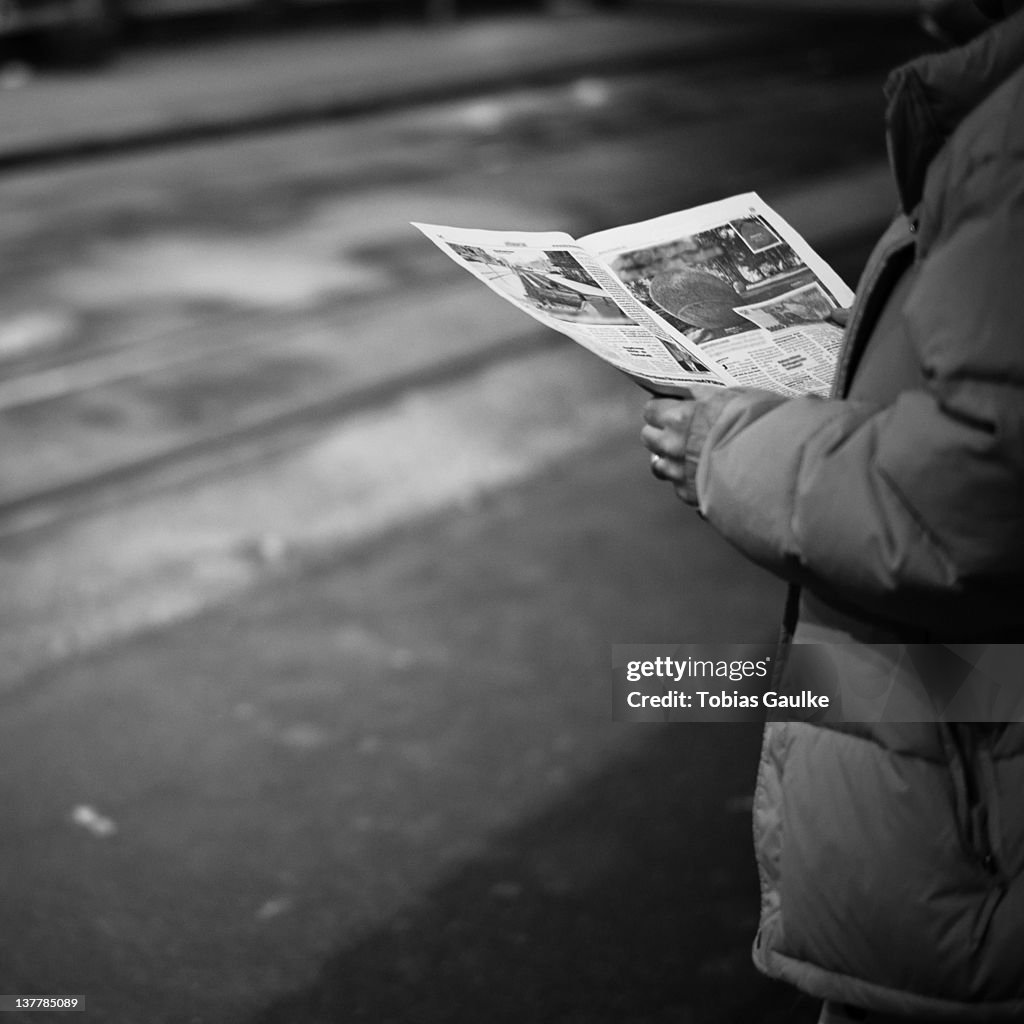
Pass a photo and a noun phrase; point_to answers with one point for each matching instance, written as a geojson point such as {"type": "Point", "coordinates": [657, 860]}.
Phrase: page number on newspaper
{"type": "Point", "coordinates": [41, 1003]}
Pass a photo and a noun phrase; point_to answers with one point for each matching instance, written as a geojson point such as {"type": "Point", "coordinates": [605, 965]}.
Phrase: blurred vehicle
{"type": "Point", "coordinates": [548, 293]}
{"type": "Point", "coordinates": [73, 30]}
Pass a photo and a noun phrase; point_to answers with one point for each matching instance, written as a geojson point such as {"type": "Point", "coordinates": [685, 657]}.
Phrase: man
{"type": "Point", "coordinates": [891, 854]}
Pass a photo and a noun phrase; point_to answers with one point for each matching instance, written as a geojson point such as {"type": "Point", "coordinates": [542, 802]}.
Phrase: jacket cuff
{"type": "Point", "coordinates": [704, 416]}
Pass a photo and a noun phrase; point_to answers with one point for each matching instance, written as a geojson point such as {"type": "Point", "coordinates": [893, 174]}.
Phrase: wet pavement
{"type": "Point", "coordinates": [387, 788]}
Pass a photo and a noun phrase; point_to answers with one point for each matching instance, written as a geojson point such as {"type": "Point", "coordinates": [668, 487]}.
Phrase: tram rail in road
{"type": "Point", "coordinates": [359, 359]}
{"type": "Point", "coordinates": [441, 356]}
{"type": "Point", "coordinates": [258, 438]}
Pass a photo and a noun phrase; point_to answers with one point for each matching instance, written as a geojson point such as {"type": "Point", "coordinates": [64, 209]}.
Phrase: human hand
{"type": "Point", "coordinates": [674, 439]}
{"type": "Point", "coordinates": [840, 315]}
{"type": "Point", "coordinates": [666, 429]}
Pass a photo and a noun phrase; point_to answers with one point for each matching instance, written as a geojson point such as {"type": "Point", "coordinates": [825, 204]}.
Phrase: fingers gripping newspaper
{"type": "Point", "coordinates": [724, 294]}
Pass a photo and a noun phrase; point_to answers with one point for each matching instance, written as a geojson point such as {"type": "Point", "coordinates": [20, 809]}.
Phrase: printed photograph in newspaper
{"type": "Point", "coordinates": [706, 284]}
{"type": "Point", "coordinates": [552, 281]}
{"type": "Point", "coordinates": [806, 304]}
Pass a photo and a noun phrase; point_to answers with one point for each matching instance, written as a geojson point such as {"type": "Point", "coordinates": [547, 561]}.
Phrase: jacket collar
{"type": "Point", "coordinates": [930, 96]}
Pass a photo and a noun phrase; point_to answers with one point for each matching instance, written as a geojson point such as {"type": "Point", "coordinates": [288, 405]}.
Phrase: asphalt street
{"type": "Point", "coordinates": [388, 788]}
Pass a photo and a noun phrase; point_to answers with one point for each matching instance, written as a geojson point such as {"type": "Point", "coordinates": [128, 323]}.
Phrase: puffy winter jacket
{"type": "Point", "coordinates": [892, 855]}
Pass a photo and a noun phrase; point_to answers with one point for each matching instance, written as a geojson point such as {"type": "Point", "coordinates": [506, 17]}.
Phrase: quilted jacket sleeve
{"type": "Point", "coordinates": [914, 510]}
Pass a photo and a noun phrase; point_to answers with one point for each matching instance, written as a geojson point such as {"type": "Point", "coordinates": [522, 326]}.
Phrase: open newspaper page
{"type": "Point", "coordinates": [740, 286]}
{"type": "Point", "coordinates": [552, 278]}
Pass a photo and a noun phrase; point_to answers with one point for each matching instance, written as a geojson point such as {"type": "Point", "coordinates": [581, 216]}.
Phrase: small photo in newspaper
{"type": "Point", "coordinates": [551, 281]}
{"type": "Point", "coordinates": [809, 303]}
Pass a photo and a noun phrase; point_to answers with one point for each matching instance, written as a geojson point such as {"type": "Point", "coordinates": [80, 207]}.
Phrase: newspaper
{"type": "Point", "coordinates": [724, 294]}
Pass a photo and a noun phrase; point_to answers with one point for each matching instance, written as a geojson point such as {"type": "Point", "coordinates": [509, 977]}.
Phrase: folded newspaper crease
{"type": "Point", "coordinates": [723, 294]}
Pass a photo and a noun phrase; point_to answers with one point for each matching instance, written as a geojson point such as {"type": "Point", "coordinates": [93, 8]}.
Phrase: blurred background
{"type": "Point", "coordinates": [313, 550]}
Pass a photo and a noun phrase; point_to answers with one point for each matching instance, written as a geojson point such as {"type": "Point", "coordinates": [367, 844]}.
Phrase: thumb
{"type": "Point", "coordinates": [699, 392]}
